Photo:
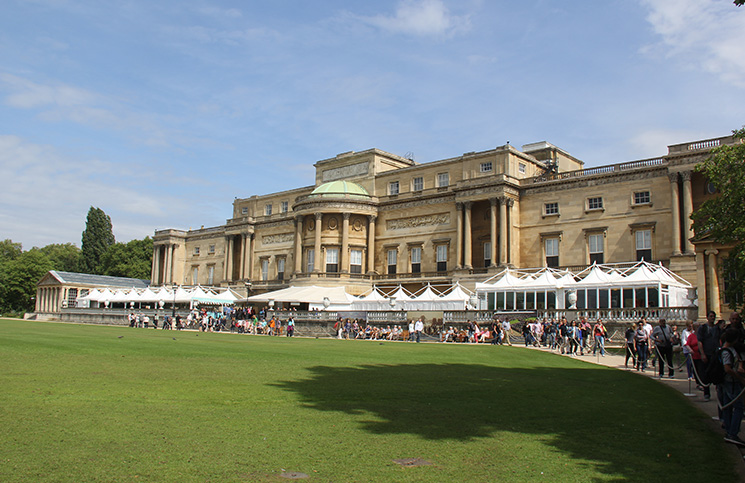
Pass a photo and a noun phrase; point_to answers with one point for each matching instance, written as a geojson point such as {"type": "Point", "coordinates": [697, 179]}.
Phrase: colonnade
{"type": "Point", "coordinates": [500, 233]}
{"type": "Point", "coordinates": [682, 218]}
{"type": "Point", "coordinates": [48, 299]}
{"type": "Point", "coordinates": [163, 262]}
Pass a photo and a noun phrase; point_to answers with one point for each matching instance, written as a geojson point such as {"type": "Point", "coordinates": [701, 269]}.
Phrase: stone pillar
{"type": "Point", "coordinates": [344, 253]}
{"type": "Point", "coordinates": [371, 243]}
{"type": "Point", "coordinates": [250, 250]}
{"type": "Point", "coordinates": [226, 262]}
{"type": "Point", "coordinates": [247, 260]}
{"type": "Point", "coordinates": [468, 262]}
{"type": "Point", "coordinates": [317, 244]}
{"type": "Point", "coordinates": [171, 268]}
{"type": "Point", "coordinates": [510, 225]}
{"type": "Point", "coordinates": [503, 230]}
{"type": "Point", "coordinates": [687, 211]}
{"type": "Point", "coordinates": [493, 232]}
{"type": "Point", "coordinates": [241, 267]}
{"type": "Point", "coordinates": [298, 244]}
{"type": "Point", "coordinates": [153, 265]}
{"type": "Point", "coordinates": [167, 266]}
{"type": "Point", "coordinates": [675, 204]}
{"type": "Point", "coordinates": [459, 236]}
{"type": "Point", "coordinates": [701, 285]}
{"type": "Point", "coordinates": [713, 281]}
{"type": "Point", "coordinates": [231, 262]}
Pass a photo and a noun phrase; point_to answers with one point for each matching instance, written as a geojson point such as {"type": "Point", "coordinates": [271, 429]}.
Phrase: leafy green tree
{"type": "Point", "coordinates": [132, 259]}
{"type": "Point", "coordinates": [20, 277]}
{"type": "Point", "coordinates": [9, 250]}
{"type": "Point", "coordinates": [98, 236]}
{"type": "Point", "coordinates": [721, 218]}
{"type": "Point", "coordinates": [64, 257]}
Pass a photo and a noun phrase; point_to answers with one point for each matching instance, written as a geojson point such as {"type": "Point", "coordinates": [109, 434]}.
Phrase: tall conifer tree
{"type": "Point", "coordinates": [98, 236]}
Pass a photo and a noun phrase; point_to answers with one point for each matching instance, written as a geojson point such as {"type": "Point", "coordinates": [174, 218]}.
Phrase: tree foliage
{"type": "Point", "coordinates": [9, 250]}
{"type": "Point", "coordinates": [132, 259]}
{"type": "Point", "coordinates": [20, 277]}
{"type": "Point", "coordinates": [64, 257]}
{"type": "Point", "coordinates": [721, 218]}
{"type": "Point", "coordinates": [98, 236]}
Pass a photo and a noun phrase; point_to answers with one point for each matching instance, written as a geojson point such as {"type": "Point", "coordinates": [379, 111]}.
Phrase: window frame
{"type": "Point", "coordinates": [268, 209]}
{"type": "Point", "coordinates": [551, 259]}
{"type": "Point", "coordinates": [441, 257]}
{"type": "Point", "coordinates": [551, 208]}
{"type": "Point", "coordinates": [486, 167]}
{"type": "Point", "coordinates": [595, 203]}
{"type": "Point", "coordinates": [394, 188]}
{"type": "Point", "coordinates": [353, 266]}
{"type": "Point", "coordinates": [415, 257]}
{"type": "Point", "coordinates": [391, 261]}
{"type": "Point", "coordinates": [332, 260]}
{"type": "Point", "coordinates": [417, 180]}
{"type": "Point", "coordinates": [596, 255]}
{"type": "Point", "coordinates": [443, 179]}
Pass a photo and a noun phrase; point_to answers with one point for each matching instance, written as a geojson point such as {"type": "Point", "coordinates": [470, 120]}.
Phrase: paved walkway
{"type": "Point", "coordinates": [679, 382]}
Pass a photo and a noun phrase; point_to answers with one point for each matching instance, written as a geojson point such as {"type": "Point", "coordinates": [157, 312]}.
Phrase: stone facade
{"type": "Point", "coordinates": [376, 218]}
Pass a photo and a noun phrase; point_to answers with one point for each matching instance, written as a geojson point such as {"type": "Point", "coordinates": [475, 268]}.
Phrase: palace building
{"type": "Point", "coordinates": [375, 218]}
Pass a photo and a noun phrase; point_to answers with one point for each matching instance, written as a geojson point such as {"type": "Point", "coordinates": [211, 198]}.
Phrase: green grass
{"type": "Point", "coordinates": [91, 403]}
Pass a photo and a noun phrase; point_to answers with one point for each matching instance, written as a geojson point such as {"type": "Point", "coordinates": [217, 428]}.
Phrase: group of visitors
{"type": "Point", "coordinates": [577, 337]}
{"type": "Point", "coordinates": [496, 333]}
{"type": "Point", "coordinates": [354, 329]}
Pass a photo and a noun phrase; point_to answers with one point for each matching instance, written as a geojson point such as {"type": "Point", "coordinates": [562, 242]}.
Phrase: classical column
{"type": "Point", "coordinates": [468, 263]}
{"type": "Point", "coordinates": [153, 264]}
{"type": "Point", "coordinates": [173, 262]}
{"type": "Point", "coordinates": [344, 253]}
{"type": "Point", "coordinates": [493, 232]}
{"type": "Point", "coordinates": [508, 242]}
{"type": "Point", "coordinates": [298, 244]}
{"type": "Point", "coordinates": [687, 211]}
{"type": "Point", "coordinates": [503, 230]}
{"type": "Point", "coordinates": [675, 203]}
{"type": "Point", "coordinates": [317, 245]}
{"type": "Point", "coordinates": [242, 266]}
{"type": "Point", "coordinates": [713, 281]}
{"type": "Point", "coordinates": [250, 250]}
{"type": "Point", "coordinates": [247, 260]}
{"type": "Point", "coordinates": [701, 285]}
{"type": "Point", "coordinates": [459, 236]}
{"type": "Point", "coordinates": [167, 265]}
{"type": "Point", "coordinates": [229, 272]}
{"type": "Point", "coordinates": [371, 243]}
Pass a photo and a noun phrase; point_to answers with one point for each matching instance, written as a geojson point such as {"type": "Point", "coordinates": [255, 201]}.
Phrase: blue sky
{"type": "Point", "coordinates": [161, 113]}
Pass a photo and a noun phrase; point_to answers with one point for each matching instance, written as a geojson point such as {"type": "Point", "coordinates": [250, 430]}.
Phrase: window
{"type": "Point", "coordinates": [486, 167]}
{"type": "Point", "coordinates": [551, 209]}
{"type": "Point", "coordinates": [417, 184]}
{"type": "Point", "coordinates": [416, 259]}
{"type": "Point", "coordinates": [195, 275]}
{"type": "Point", "coordinates": [642, 198]}
{"type": "Point", "coordinates": [284, 207]}
{"type": "Point", "coordinates": [392, 261]}
{"type": "Point", "coordinates": [72, 295]}
{"type": "Point", "coordinates": [280, 269]}
{"type": "Point", "coordinates": [487, 254]}
{"type": "Point", "coordinates": [595, 203]}
{"type": "Point", "coordinates": [442, 258]}
{"type": "Point", "coordinates": [644, 245]}
{"type": "Point", "coordinates": [393, 188]}
{"type": "Point", "coordinates": [522, 167]}
{"type": "Point", "coordinates": [268, 210]}
{"type": "Point", "coordinates": [355, 261]}
{"type": "Point", "coordinates": [310, 255]}
{"type": "Point", "coordinates": [212, 249]}
{"type": "Point", "coordinates": [244, 210]}
{"type": "Point", "coordinates": [196, 251]}
{"type": "Point", "coordinates": [211, 275]}
{"type": "Point", "coordinates": [332, 260]}
{"type": "Point", "coordinates": [552, 252]}
{"type": "Point", "coordinates": [443, 180]}
{"type": "Point", "coordinates": [595, 247]}
{"type": "Point", "coordinates": [265, 269]}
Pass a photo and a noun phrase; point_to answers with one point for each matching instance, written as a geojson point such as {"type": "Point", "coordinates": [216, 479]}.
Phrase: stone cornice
{"type": "Point", "coordinates": [434, 200]}
{"type": "Point", "coordinates": [594, 180]}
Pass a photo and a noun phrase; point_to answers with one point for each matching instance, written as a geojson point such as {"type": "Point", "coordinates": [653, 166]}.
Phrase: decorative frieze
{"type": "Point", "coordinates": [263, 226]}
{"type": "Point", "coordinates": [419, 221]}
{"type": "Point", "coordinates": [275, 239]}
{"type": "Point", "coordinates": [353, 170]}
{"type": "Point", "coordinates": [413, 204]}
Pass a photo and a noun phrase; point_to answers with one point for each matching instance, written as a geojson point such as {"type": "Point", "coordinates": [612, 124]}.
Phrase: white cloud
{"type": "Point", "coordinates": [421, 18]}
{"type": "Point", "coordinates": [705, 34]}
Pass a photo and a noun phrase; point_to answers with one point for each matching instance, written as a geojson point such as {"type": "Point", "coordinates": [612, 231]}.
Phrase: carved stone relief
{"type": "Point", "coordinates": [419, 221]}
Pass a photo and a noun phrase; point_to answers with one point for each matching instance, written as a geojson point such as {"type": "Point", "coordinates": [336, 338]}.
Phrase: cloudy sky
{"type": "Point", "coordinates": [161, 113]}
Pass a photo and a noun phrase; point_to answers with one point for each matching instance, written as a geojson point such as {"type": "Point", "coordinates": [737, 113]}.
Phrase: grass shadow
{"type": "Point", "coordinates": [611, 418]}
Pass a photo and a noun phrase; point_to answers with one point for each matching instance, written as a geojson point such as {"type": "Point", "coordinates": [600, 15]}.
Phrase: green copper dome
{"type": "Point", "coordinates": [341, 189]}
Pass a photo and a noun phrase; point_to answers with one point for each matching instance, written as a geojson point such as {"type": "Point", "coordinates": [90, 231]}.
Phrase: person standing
{"type": "Point", "coordinates": [708, 343]}
{"type": "Point", "coordinates": [290, 326]}
{"type": "Point", "coordinates": [687, 349]}
{"type": "Point", "coordinates": [662, 337]}
{"type": "Point", "coordinates": [418, 328]}
{"type": "Point", "coordinates": [599, 333]}
{"type": "Point", "coordinates": [641, 342]}
{"type": "Point", "coordinates": [734, 381]}
{"type": "Point", "coordinates": [630, 350]}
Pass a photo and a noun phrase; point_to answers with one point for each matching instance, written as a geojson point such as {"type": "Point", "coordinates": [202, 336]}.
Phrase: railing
{"type": "Point", "coordinates": [682, 314]}
{"type": "Point", "coordinates": [401, 276]}
{"type": "Point", "coordinates": [613, 168]}
{"type": "Point", "coordinates": [462, 316]}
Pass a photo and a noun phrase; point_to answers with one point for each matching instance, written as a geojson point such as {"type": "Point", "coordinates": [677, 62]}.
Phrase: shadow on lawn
{"type": "Point", "coordinates": [587, 413]}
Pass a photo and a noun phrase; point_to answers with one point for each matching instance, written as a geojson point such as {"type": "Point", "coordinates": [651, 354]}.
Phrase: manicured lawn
{"type": "Point", "coordinates": [89, 403]}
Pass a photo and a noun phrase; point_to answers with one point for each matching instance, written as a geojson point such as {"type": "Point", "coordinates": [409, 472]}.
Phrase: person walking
{"type": "Point", "coordinates": [599, 333]}
{"type": "Point", "coordinates": [662, 337]}
{"type": "Point", "coordinates": [418, 328]}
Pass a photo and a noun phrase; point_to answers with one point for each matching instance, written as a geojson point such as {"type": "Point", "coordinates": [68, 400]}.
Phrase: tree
{"type": "Point", "coordinates": [9, 250]}
{"type": "Point", "coordinates": [132, 259]}
{"type": "Point", "coordinates": [721, 219]}
{"type": "Point", "coordinates": [98, 236]}
{"type": "Point", "coordinates": [64, 257]}
{"type": "Point", "coordinates": [20, 277]}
